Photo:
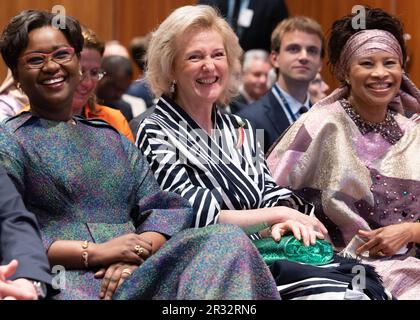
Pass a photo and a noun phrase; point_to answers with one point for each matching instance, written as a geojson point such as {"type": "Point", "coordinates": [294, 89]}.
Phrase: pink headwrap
{"type": "Point", "coordinates": [366, 42]}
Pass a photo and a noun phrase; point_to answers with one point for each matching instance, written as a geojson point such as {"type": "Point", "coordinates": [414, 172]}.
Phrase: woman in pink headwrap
{"type": "Point", "coordinates": [356, 156]}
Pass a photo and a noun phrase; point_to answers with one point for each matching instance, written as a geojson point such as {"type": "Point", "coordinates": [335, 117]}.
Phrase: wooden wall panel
{"type": "Point", "coordinates": [409, 12]}
{"type": "Point", "coordinates": [138, 17]}
{"type": "Point", "coordinates": [135, 18]}
{"type": "Point", "coordinates": [96, 14]}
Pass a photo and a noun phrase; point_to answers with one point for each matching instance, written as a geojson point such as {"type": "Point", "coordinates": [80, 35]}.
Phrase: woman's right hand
{"type": "Point", "coordinates": [112, 278]}
{"type": "Point", "coordinates": [129, 248]}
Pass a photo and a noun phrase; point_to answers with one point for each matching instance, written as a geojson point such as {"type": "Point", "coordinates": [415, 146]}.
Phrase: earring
{"type": "Point", "coordinates": [19, 86]}
{"type": "Point", "coordinates": [172, 88]}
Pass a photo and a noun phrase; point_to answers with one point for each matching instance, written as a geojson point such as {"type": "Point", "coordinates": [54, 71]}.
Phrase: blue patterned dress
{"type": "Point", "coordinates": [85, 181]}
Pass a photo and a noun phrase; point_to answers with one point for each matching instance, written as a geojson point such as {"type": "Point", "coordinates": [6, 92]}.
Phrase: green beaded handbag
{"type": "Point", "coordinates": [289, 248]}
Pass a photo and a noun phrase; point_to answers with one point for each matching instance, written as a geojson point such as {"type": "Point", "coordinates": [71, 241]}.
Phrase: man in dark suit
{"type": "Point", "coordinates": [252, 20]}
{"type": "Point", "coordinates": [254, 77]}
{"type": "Point", "coordinates": [296, 53]}
{"type": "Point", "coordinates": [24, 267]}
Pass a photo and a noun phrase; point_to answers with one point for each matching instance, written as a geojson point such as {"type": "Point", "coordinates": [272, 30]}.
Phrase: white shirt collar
{"type": "Point", "coordinates": [294, 104]}
{"type": "Point", "coordinates": [245, 94]}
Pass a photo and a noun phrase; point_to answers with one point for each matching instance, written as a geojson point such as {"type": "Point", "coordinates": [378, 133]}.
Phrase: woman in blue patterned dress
{"type": "Point", "coordinates": [101, 213]}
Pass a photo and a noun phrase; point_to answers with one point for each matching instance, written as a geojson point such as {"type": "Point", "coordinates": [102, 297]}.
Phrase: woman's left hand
{"type": "Point", "coordinates": [300, 231]}
{"type": "Point", "coordinates": [310, 221]}
{"type": "Point", "coordinates": [113, 277]}
{"type": "Point", "coordinates": [386, 241]}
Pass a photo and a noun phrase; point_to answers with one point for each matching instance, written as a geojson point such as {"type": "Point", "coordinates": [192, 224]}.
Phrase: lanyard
{"type": "Point", "coordinates": [282, 101]}
{"type": "Point", "coordinates": [231, 4]}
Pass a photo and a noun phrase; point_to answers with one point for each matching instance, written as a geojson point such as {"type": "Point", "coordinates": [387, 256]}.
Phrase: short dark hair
{"type": "Point", "coordinates": [114, 64]}
{"type": "Point", "coordinates": [14, 38]}
{"type": "Point", "coordinates": [138, 50]}
{"type": "Point", "coordinates": [376, 18]}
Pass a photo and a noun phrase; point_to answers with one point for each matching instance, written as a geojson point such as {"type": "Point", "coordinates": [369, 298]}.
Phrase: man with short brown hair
{"type": "Point", "coordinates": [297, 48]}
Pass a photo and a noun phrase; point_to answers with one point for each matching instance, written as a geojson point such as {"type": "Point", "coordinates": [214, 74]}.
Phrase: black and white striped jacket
{"type": "Point", "coordinates": [213, 173]}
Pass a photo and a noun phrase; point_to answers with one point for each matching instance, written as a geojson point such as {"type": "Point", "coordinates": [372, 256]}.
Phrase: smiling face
{"type": "Point", "coordinates": [200, 68]}
{"type": "Point", "coordinates": [299, 57]}
{"type": "Point", "coordinates": [90, 62]}
{"type": "Point", "coordinates": [375, 80]}
{"type": "Point", "coordinates": [255, 77]}
{"type": "Point", "coordinates": [49, 89]}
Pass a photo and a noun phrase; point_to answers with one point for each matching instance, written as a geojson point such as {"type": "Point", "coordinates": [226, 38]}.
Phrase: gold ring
{"type": "Point", "coordinates": [138, 250]}
{"type": "Point", "coordinates": [126, 271]}
{"type": "Point", "coordinates": [380, 253]}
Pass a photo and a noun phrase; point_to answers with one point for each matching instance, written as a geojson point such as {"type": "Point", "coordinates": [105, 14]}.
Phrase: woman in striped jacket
{"type": "Point", "coordinates": [213, 159]}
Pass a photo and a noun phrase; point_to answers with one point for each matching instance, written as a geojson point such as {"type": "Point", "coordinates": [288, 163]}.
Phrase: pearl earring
{"type": "Point", "coordinates": [172, 89]}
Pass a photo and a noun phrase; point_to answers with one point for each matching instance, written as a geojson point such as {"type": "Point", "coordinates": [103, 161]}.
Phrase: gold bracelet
{"type": "Point", "coordinates": [85, 254]}
{"type": "Point", "coordinates": [85, 244]}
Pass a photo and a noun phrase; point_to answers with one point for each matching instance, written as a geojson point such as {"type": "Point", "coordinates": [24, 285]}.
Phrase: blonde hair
{"type": "Point", "coordinates": [163, 47]}
{"type": "Point", "coordinates": [300, 23]}
{"type": "Point", "coordinates": [91, 40]}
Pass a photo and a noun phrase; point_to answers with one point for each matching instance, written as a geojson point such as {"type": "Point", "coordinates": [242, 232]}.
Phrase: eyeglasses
{"type": "Point", "coordinates": [37, 60]}
{"type": "Point", "coordinates": [93, 74]}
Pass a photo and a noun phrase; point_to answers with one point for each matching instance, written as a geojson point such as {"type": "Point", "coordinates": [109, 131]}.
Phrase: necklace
{"type": "Point", "coordinates": [388, 129]}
